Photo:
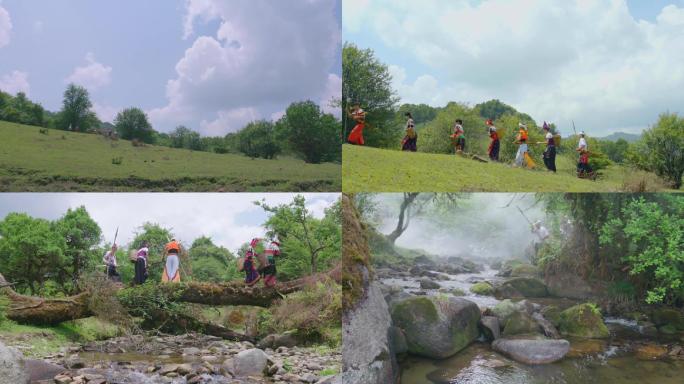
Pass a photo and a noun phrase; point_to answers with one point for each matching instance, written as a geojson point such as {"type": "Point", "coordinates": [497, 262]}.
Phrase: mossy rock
{"type": "Point", "coordinates": [668, 329]}
{"type": "Point", "coordinates": [521, 287]}
{"type": "Point", "coordinates": [583, 320]}
{"type": "Point", "coordinates": [552, 314]}
{"type": "Point", "coordinates": [482, 288]}
{"type": "Point", "coordinates": [504, 309]}
{"type": "Point", "coordinates": [668, 316]}
{"type": "Point", "coordinates": [436, 326]}
{"type": "Point", "coordinates": [520, 323]}
{"type": "Point", "coordinates": [525, 270]}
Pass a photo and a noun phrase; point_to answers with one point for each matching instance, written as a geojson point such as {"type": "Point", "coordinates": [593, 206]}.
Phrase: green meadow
{"type": "Point", "coordinates": [33, 159]}
{"type": "Point", "coordinates": [367, 169]}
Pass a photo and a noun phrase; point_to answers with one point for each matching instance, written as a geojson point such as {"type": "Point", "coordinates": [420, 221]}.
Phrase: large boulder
{"type": "Point", "coordinates": [482, 288]}
{"type": "Point", "coordinates": [426, 283]}
{"type": "Point", "coordinates": [538, 351]}
{"type": "Point", "coordinates": [273, 341]}
{"type": "Point", "coordinates": [663, 317]}
{"type": "Point", "coordinates": [521, 287]}
{"type": "Point", "coordinates": [552, 314]}
{"type": "Point", "coordinates": [437, 326]}
{"type": "Point", "coordinates": [583, 320]}
{"type": "Point", "coordinates": [397, 340]}
{"type": "Point", "coordinates": [42, 370]}
{"type": "Point", "coordinates": [490, 326]}
{"type": "Point", "coordinates": [568, 284]}
{"type": "Point", "coordinates": [524, 270]}
{"type": "Point", "coordinates": [367, 354]}
{"type": "Point", "coordinates": [504, 309]}
{"type": "Point", "coordinates": [520, 323]}
{"type": "Point", "coordinates": [12, 366]}
{"type": "Point", "coordinates": [250, 362]}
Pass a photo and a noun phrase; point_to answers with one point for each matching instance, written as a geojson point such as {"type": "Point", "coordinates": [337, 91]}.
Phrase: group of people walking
{"type": "Point", "coordinates": [258, 262]}
{"type": "Point", "coordinates": [522, 157]}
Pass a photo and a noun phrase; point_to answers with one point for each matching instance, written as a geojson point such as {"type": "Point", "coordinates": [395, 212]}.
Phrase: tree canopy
{"type": "Point", "coordinates": [132, 123]}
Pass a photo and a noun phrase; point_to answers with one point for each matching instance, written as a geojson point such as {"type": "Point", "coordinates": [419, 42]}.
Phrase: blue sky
{"type": "Point", "coordinates": [610, 65]}
{"type": "Point", "coordinates": [230, 219]}
{"type": "Point", "coordinates": [147, 54]}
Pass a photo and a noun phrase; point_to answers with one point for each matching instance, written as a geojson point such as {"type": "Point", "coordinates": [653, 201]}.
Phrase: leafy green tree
{"type": "Point", "coordinates": [211, 262]}
{"type": "Point", "coordinates": [615, 150]}
{"type": "Point", "coordinates": [31, 251]}
{"type": "Point", "coordinates": [308, 244]}
{"type": "Point", "coordinates": [422, 113]}
{"type": "Point", "coordinates": [368, 82]}
{"type": "Point", "coordinates": [661, 149]}
{"type": "Point", "coordinates": [132, 123]}
{"type": "Point", "coordinates": [258, 139]}
{"type": "Point", "coordinates": [76, 114]}
{"type": "Point", "coordinates": [157, 237]}
{"type": "Point", "coordinates": [310, 132]}
{"type": "Point", "coordinates": [81, 235]}
{"type": "Point", "coordinates": [655, 236]}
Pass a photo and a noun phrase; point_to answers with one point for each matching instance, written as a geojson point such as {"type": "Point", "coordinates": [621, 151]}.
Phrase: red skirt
{"type": "Point", "coordinates": [356, 135]}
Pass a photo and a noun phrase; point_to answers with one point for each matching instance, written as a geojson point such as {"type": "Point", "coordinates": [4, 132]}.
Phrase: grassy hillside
{"type": "Point", "coordinates": [66, 161]}
{"type": "Point", "coordinates": [368, 169]}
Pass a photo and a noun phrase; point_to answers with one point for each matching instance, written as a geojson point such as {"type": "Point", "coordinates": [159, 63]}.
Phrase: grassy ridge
{"type": "Point", "coordinates": [66, 161]}
{"type": "Point", "coordinates": [368, 169]}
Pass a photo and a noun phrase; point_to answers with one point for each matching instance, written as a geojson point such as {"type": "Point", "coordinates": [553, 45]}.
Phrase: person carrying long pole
{"type": "Point", "coordinates": [550, 151]}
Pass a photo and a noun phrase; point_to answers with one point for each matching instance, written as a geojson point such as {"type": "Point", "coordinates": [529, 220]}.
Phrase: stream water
{"type": "Point", "coordinates": [608, 361]}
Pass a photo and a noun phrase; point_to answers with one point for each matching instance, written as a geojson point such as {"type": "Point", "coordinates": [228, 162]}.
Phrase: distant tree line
{"type": "Point", "coordinates": [305, 131]}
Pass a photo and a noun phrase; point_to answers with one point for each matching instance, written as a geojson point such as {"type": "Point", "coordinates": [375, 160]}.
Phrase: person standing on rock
{"type": "Point", "coordinates": [141, 255]}
{"type": "Point", "coordinates": [172, 265]}
{"type": "Point", "coordinates": [494, 144]}
{"type": "Point", "coordinates": [109, 259]}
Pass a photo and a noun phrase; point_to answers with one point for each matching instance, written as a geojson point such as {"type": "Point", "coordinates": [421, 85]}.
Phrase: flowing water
{"type": "Point", "coordinates": [609, 361]}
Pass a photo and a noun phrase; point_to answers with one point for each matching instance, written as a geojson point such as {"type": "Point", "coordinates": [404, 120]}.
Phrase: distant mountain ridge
{"type": "Point", "coordinates": [629, 137]}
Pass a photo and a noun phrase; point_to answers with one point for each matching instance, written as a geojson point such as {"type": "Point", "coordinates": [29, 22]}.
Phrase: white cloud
{"type": "Point", "coordinates": [17, 81]}
{"type": "Point", "coordinates": [263, 56]}
{"type": "Point", "coordinates": [332, 94]}
{"type": "Point", "coordinates": [5, 27]}
{"type": "Point", "coordinates": [106, 113]}
{"type": "Point", "coordinates": [229, 121]}
{"type": "Point", "coordinates": [93, 75]}
{"type": "Point", "coordinates": [587, 60]}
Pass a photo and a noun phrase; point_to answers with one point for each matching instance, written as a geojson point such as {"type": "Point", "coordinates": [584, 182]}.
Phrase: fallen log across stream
{"type": "Point", "coordinates": [42, 311]}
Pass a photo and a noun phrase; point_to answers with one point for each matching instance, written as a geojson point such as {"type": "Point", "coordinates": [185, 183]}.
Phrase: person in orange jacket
{"type": "Point", "coordinates": [521, 140]}
{"type": "Point", "coordinates": [359, 116]}
{"type": "Point", "coordinates": [172, 265]}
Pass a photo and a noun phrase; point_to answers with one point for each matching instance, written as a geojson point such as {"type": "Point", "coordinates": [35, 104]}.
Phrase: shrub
{"type": "Point", "coordinates": [117, 160]}
{"type": "Point", "coordinates": [315, 313]}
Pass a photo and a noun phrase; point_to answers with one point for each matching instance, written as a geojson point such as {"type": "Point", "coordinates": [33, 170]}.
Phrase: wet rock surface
{"type": "Point", "coordinates": [191, 358]}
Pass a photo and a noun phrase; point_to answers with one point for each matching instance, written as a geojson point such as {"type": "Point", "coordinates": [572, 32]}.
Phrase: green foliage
{"type": "Point", "coordinates": [81, 234]}
{"type": "Point", "coordinates": [435, 135]}
{"type": "Point", "coordinates": [309, 244]}
{"type": "Point", "coordinates": [150, 300]}
{"type": "Point", "coordinates": [422, 113]}
{"type": "Point", "coordinates": [132, 123]}
{"type": "Point", "coordinates": [211, 262]}
{"type": "Point", "coordinates": [4, 304]}
{"type": "Point", "coordinates": [19, 109]}
{"type": "Point", "coordinates": [157, 237]}
{"type": "Point", "coordinates": [258, 139]}
{"type": "Point", "coordinates": [76, 114]}
{"type": "Point", "coordinates": [31, 251]}
{"type": "Point", "coordinates": [368, 82]}
{"type": "Point", "coordinates": [660, 149]}
{"type": "Point", "coordinates": [495, 109]}
{"type": "Point", "coordinates": [622, 292]}
{"type": "Point", "coordinates": [183, 137]}
{"type": "Point", "coordinates": [616, 151]}
{"type": "Point", "coordinates": [312, 134]}
{"type": "Point", "coordinates": [655, 233]}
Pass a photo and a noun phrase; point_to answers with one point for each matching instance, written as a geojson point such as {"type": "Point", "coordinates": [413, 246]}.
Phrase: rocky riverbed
{"type": "Point", "coordinates": [524, 333]}
{"type": "Point", "coordinates": [190, 358]}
